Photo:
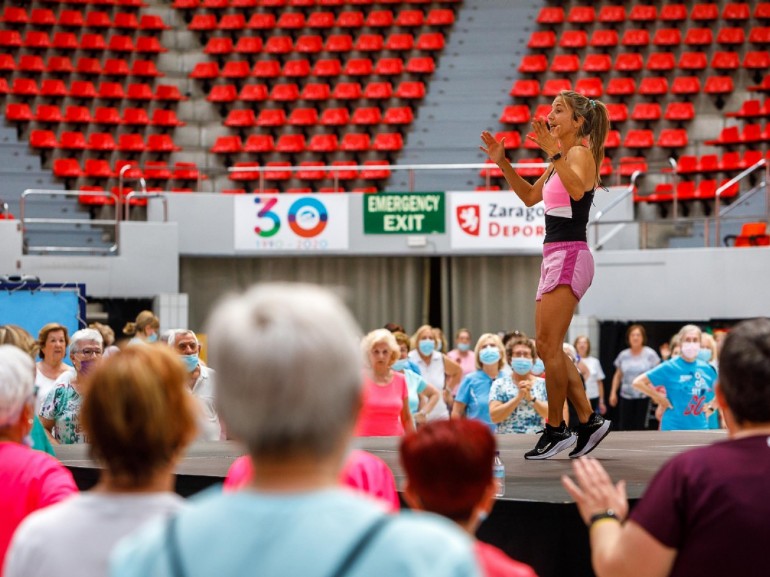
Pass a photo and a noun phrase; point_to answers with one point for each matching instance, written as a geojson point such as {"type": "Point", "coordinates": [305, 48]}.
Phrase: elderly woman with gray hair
{"type": "Point", "coordinates": [60, 411]}
{"type": "Point", "coordinates": [385, 412]}
{"type": "Point", "coordinates": [289, 364]}
{"type": "Point", "coordinates": [29, 479]}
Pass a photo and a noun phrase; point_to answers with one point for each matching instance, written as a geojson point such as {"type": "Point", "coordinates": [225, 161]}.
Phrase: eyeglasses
{"type": "Point", "coordinates": [89, 353]}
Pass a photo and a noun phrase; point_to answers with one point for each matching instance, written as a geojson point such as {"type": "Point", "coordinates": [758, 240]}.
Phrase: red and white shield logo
{"type": "Point", "coordinates": [469, 218]}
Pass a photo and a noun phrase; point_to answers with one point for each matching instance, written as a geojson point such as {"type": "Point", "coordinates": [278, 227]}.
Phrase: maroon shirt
{"type": "Point", "coordinates": [711, 504]}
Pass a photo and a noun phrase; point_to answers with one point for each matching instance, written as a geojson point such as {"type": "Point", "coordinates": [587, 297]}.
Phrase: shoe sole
{"type": "Point", "coordinates": [594, 440]}
{"type": "Point", "coordinates": [555, 450]}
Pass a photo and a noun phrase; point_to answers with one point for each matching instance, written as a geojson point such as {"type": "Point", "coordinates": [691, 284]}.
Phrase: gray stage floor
{"type": "Point", "coordinates": [633, 456]}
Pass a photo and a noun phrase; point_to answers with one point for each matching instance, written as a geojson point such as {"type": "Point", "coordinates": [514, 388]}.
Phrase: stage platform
{"type": "Point", "coordinates": [535, 522]}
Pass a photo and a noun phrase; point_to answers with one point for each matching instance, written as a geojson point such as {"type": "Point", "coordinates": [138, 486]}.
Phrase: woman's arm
{"type": "Point", "coordinates": [458, 410]}
{"type": "Point", "coordinates": [530, 194]}
{"type": "Point", "coordinates": [602, 407]}
{"type": "Point", "coordinates": [453, 372]}
{"type": "Point", "coordinates": [406, 417]}
{"type": "Point", "coordinates": [616, 378]}
{"type": "Point", "coordinates": [431, 396]}
{"type": "Point", "coordinates": [643, 384]}
{"type": "Point", "coordinates": [48, 425]}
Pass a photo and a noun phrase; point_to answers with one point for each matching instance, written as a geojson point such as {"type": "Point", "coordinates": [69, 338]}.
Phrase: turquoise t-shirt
{"type": "Point", "coordinates": [304, 534]}
{"type": "Point", "coordinates": [474, 393]}
{"type": "Point", "coordinates": [689, 386]}
{"type": "Point", "coordinates": [415, 385]}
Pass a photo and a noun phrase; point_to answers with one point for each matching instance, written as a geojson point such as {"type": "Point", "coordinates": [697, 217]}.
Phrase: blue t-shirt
{"type": "Point", "coordinates": [415, 385]}
{"type": "Point", "coordinates": [689, 386]}
{"type": "Point", "coordinates": [307, 534]}
{"type": "Point", "coordinates": [474, 393]}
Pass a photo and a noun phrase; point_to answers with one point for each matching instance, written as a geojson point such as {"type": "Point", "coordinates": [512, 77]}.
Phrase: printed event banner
{"type": "Point", "coordinates": [269, 222]}
{"type": "Point", "coordinates": [495, 220]}
{"type": "Point", "coordinates": [404, 213]}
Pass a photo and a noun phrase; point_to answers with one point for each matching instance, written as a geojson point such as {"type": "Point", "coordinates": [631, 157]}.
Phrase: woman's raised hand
{"type": "Point", "coordinates": [543, 137]}
{"type": "Point", "coordinates": [493, 148]}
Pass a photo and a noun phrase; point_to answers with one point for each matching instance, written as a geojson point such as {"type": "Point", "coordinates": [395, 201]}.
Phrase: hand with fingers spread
{"type": "Point", "coordinates": [493, 148]}
{"type": "Point", "coordinates": [543, 137]}
{"type": "Point", "coordinates": [593, 490]}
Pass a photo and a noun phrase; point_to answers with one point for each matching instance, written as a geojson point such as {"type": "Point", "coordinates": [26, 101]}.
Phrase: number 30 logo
{"type": "Point", "coordinates": [307, 217]}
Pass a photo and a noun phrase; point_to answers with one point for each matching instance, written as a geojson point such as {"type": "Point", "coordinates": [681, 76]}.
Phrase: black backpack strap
{"type": "Point", "coordinates": [360, 545]}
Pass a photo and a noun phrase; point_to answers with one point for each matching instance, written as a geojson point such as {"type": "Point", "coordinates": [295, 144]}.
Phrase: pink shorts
{"type": "Point", "coordinates": [569, 263]}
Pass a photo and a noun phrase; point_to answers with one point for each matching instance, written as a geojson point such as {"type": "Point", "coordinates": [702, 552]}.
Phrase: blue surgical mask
{"type": "Point", "coordinates": [705, 355]}
{"type": "Point", "coordinates": [521, 366]}
{"type": "Point", "coordinates": [538, 368]}
{"type": "Point", "coordinates": [400, 365]}
{"type": "Point", "coordinates": [153, 338]}
{"type": "Point", "coordinates": [86, 367]}
{"type": "Point", "coordinates": [190, 362]}
{"type": "Point", "coordinates": [427, 346]}
{"type": "Point", "coordinates": [464, 347]}
{"type": "Point", "coordinates": [489, 356]}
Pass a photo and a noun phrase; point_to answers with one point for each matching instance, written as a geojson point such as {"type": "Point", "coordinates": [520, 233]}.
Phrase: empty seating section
{"type": "Point", "coordinates": [307, 83]}
{"type": "Point", "coordinates": [83, 81]}
{"type": "Point", "coordinates": [657, 66]}
{"type": "Point", "coordinates": [84, 87]}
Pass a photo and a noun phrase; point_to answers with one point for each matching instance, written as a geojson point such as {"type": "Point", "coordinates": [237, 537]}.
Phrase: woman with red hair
{"type": "Point", "coordinates": [448, 466]}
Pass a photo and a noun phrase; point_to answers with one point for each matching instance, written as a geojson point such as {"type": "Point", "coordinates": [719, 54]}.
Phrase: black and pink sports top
{"type": "Point", "coordinates": [566, 219]}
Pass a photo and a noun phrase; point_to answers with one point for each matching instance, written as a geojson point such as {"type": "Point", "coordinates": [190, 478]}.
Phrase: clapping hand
{"type": "Point", "coordinates": [593, 490]}
{"type": "Point", "coordinates": [494, 149]}
{"type": "Point", "coordinates": [543, 137]}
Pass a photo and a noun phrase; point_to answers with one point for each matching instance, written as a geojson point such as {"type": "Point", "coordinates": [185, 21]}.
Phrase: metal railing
{"type": "Point", "coordinates": [601, 213]}
{"type": "Point", "coordinates": [25, 221]}
{"type": "Point", "coordinates": [735, 180]}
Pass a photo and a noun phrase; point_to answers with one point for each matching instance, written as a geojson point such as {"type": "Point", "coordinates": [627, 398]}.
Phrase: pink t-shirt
{"type": "Point", "coordinates": [381, 412]}
{"type": "Point", "coordinates": [29, 480]}
{"type": "Point", "coordinates": [362, 471]}
{"type": "Point", "coordinates": [494, 563]}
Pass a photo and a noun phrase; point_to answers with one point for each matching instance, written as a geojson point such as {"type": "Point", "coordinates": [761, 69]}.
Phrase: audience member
{"type": "Point", "coordinates": [385, 411]}
{"type": "Point", "coordinates": [684, 385]}
{"type": "Point", "coordinates": [201, 382]}
{"type": "Point", "coordinates": [295, 411]}
{"type": "Point", "coordinates": [705, 512]}
{"type": "Point", "coordinates": [422, 396]}
{"type": "Point", "coordinates": [472, 399]}
{"type": "Point", "coordinates": [436, 368]}
{"type": "Point", "coordinates": [633, 405]}
{"type": "Point", "coordinates": [362, 470]}
{"type": "Point", "coordinates": [60, 410]}
{"type": "Point", "coordinates": [448, 469]}
{"type": "Point", "coordinates": [441, 344]}
{"type": "Point", "coordinates": [519, 403]}
{"type": "Point", "coordinates": [52, 343]}
{"type": "Point", "coordinates": [144, 329]}
{"type": "Point", "coordinates": [29, 480]}
{"type": "Point", "coordinates": [462, 353]}
{"type": "Point", "coordinates": [108, 336]}
{"type": "Point", "coordinates": [126, 415]}
{"type": "Point", "coordinates": [594, 375]}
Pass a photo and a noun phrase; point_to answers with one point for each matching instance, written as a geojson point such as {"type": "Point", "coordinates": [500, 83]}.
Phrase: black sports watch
{"type": "Point", "coordinates": [555, 157]}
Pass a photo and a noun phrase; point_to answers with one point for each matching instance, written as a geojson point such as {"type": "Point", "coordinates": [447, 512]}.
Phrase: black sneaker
{"type": "Point", "coordinates": [590, 434]}
{"type": "Point", "coordinates": [553, 440]}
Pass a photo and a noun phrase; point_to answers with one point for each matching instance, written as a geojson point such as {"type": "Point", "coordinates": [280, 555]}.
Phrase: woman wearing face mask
{"type": "Point", "coordinates": [385, 411]}
{"type": "Point", "coordinates": [144, 329]}
{"type": "Point", "coordinates": [60, 411]}
{"type": "Point", "coordinates": [52, 342]}
{"type": "Point", "coordinates": [472, 398]}
{"type": "Point", "coordinates": [519, 403]}
{"type": "Point", "coordinates": [436, 368]}
{"type": "Point", "coordinates": [688, 382]}
{"type": "Point", "coordinates": [629, 364]}
{"type": "Point", "coordinates": [422, 396]}
{"type": "Point", "coordinates": [462, 353]}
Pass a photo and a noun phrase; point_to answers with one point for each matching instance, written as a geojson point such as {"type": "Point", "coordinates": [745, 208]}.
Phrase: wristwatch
{"type": "Point", "coordinates": [555, 157]}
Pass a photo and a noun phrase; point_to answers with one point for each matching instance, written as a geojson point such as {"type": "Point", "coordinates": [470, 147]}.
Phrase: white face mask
{"type": "Point", "coordinates": [690, 350]}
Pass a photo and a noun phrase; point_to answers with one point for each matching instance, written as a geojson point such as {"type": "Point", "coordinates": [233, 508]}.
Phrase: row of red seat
{"type": "Point", "coordinates": [635, 62]}
{"type": "Point", "coordinates": [733, 135]}
{"type": "Point", "coordinates": [642, 112]}
{"type": "Point", "coordinates": [594, 87]}
{"type": "Point", "coordinates": [98, 141]}
{"type": "Point", "coordinates": [406, 18]}
{"type": "Point", "coordinates": [688, 190]}
{"type": "Point", "coordinates": [107, 115]}
{"type": "Point", "coordinates": [323, 68]}
{"type": "Point", "coordinates": [18, 16]}
{"type": "Point", "coordinates": [119, 3]}
{"type": "Point", "coordinates": [318, 143]}
{"type": "Point", "coordinates": [98, 168]}
{"type": "Point", "coordinates": [310, 171]}
{"type": "Point", "coordinates": [86, 90]}
{"type": "Point", "coordinates": [62, 65]}
{"type": "Point", "coordinates": [91, 42]}
{"type": "Point", "coordinates": [730, 161]}
{"type": "Point", "coordinates": [222, 4]}
{"type": "Point", "coordinates": [639, 37]}
{"type": "Point", "coordinates": [314, 91]}
{"type": "Point", "coordinates": [614, 14]}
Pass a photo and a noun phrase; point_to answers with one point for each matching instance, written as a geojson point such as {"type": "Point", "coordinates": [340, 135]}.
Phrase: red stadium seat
{"type": "Point", "coordinates": [67, 168]}
{"type": "Point", "coordinates": [93, 43]}
{"type": "Point", "coordinates": [248, 45]}
{"type": "Point", "coordinates": [398, 116]}
{"type": "Point", "coordinates": [53, 88]}
{"type": "Point", "coordinates": [43, 139]}
{"type": "Point", "coordinates": [532, 63]}
{"type": "Point", "coordinates": [698, 37]}
{"type": "Point", "coordinates": [120, 43]}
{"type": "Point", "coordinates": [107, 115]}
{"type": "Point", "coordinates": [602, 38]}
{"type": "Point", "coordinates": [731, 36]}
{"type": "Point", "coordinates": [347, 91]}
{"type": "Point", "coordinates": [597, 63]}
{"type": "Point", "coordinates": [628, 62]}
{"type": "Point", "coordinates": [635, 37]}
{"type": "Point", "coordinates": [551, 15]}
{"type": "Point", "coordinates": [590, 87]}
{"type": "Point", "coordinates": [565, 63]}
{"type": "Point", "coordinates": [61, 41]}
{"type": "Point", "coordinates": [672, 138]}
{"type": "Point", "coordinates": [309, 44]}
{"type": "Point", "coordinates": [410, 90]}
{"type": "Point", "coordinates": [316, 91]}
{"type": "Point", "coordinates": [15, 15]}
{"type": "Point", "coordinates": [367, 116]}
{"type": "Point", "coordinates": [259, 144]}
{"type": "Point", "coordinates": [355, 142]}
{"type": "Point", "coordinates": [96, 19]}
{"type": "Point", "coordinates": [303, 117]}
{"type": "Point", "coordinates": [621, 86]}
{"type": "Point", "coordinates": [322, 20]}
{"type": "Point", "coordinates": [139, 91]}
{"type": "Point", "coordinates": [679, 111]}
{"type": "Point", "coordinates": [161, 143]}
{"type": "Point", "coordinates": [359, 67]}
{"type": "Point", "coordinates": [166, 118]}
{"type": "Point", "coordinates": [101, 142]}
{"type": "Point", "coordinates": [542, 39]}
{"type": "Point", "coordinates": [77, 115]}
{"type": "Point", "coordinates": [617, 112]}
{"type": "Point", "coordinates": [350, 19]}
{"type": "Point", "coordinates": [135, 117]}
{"type": "Point", "coordinates": [728, 135]}
{"type": "Point", "coordinates": [664, 61]}
{"type": "Point", "coordinates": [554, 86]}
{"type": "Point", "coordinates": [339, 43]}
{"type": "Point", "coordinates": [168, 93]}
{"type": "Point", "coordinates": [278, 45]}
{"type": "Point", "coordinates": [253, 93]}
{"type": "Point", "coordinates": [232, 22]}
{"type": "Point", "coordinates": [111, 91]}
{"type": "Point", "coordinates": [152, 22]}
{"type": "Point", "coordinates": [284, 92]}
{"type": "Point", "coordinates": [131, 143]}
{"type": "Point", "coordinates": [704, 12]}
{"type": "Point", "coordinates": [44, 114]}
{"type": "Point", "coordinates": [756, 60]}
{"type": "Point", "coordinates": [59, 65]}
{"type": "Point", "coordinates": [525, 89]}
{"type": "Point", "coordinates": [203, 23]}
{"type": "Point", "coordinates": [646, 111]}
{"type": "Point", "coordinates": [88, 66]}
{"type": "Point", "coordinates": [389, 67]}
{"type": "Point", "coordinates": [685, 85]}
{"type": "Point", "coordinates": [639, 139]}
{"type": "Point", "coordinates": [31, 63]}
{"type": "Point", "coordinates": [725, 60]}
{"type": "Point", "coordinates": [227, 145]}
{"type": "Point", "coordinates": [271, 117]}
{"type": "Point", "coordinates": [516, 114]}
{"type": "Point", "coordinates": [37, 40]}
{"type": "Point", "coordinates": [422, 65]}
{"type": "Point", "coordinates": [266, 69]}
{"type": "Point", "coordinates": [218, 45]}
{"type": "Point", "coordinates": [97, 168]}
{"type": "Point", "coordinates": [10, 39]}
{"type": "Point", "coordinates": [736, 11]}
{"type": "Point", "coordinates": [116, 67]}
{"type": "Point", "coordinates": [653, 86]}
{"type": "Point", "coordinates": [667, 37]}
{"type": "Point", "coordinates": [335, 117]}
{"type": "Point", "coordinates": [145, 68]}
{"type": "Point", "coordinates": [388, 142]}
{"type": "Point", "coordinates": [430, 41]}
{"type": "Point", "coordinates": [290, 143]}
{"type": "Point", "coordinates": [399, 42]}
{"type": "Point", "coordinates": [581, 15]}
{"type": "Point", "coordinates": [573, 39]}
{"type": "Point", "coordinates": [236, 69]}
{"type": "Point", "coordinates": [156, 170]}
{"type": "Point", "coordinates": [25, 87]}
{"type": "Point", "coordinates": [241, 118]}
